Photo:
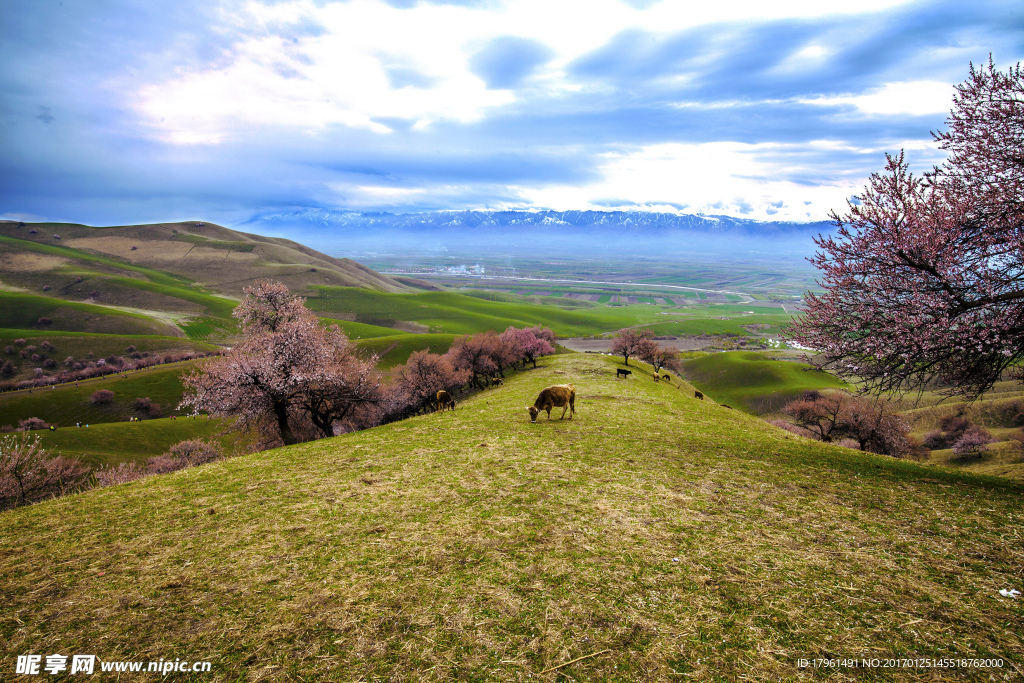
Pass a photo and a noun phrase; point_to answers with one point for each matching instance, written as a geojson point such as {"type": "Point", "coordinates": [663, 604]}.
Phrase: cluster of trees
{"type": "Point", "coordinates": [924, 279]}
{"type": "Point", "coordinates": [472, 360]}
{"type": "Point", "coordinates": [639, 342]}
{"type": "Point", "coordinates": [291, 379]}
{"type": "Point", "coordinates": [81, 369]}
{"type": "Point", "coordinates": [869, 423]}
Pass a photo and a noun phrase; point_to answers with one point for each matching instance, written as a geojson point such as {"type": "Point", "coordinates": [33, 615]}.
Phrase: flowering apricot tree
{"type": "Point", "coordinates": [290, 377]}
{"type": "Point", "coordinates": [924, 278]}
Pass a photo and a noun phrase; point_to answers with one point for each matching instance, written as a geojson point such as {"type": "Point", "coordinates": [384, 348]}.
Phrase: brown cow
{"type": "Point", "coordinates": [497, 381]}
{"type": "Point", "coordinates": [444, 400]}
{"type": "Point", "coordinates": [559, 396]}
{"type": "Point", "coordinates": [697, 394]}
{"type": "Point", "coordinates": [667, 378]}
{"type": "Point", "coordinates": [657, 377]}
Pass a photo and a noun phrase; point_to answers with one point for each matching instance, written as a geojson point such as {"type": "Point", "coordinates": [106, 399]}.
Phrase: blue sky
{"type": "Point", "coordinates": [117, 112]}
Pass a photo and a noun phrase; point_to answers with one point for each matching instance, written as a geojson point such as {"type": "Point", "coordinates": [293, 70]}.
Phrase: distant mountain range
{"type": "Point", "coordinates": [593, 233]}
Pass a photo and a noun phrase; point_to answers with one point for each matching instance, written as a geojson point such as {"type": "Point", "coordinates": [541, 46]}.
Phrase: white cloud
{"type": "Point", "coordinates": [729, 178]}
{"type": "Point", "coordinates": [338, 76]}
{"type": "Point", "coordinates": [916, 98]}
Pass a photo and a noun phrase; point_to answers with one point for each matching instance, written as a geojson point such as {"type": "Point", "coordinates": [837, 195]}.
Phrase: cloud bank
{"type": "Point", "coordinates": [122, 112]}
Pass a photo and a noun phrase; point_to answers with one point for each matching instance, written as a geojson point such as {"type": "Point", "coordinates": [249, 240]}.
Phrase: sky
{"type": "Point", "coordinates": [119, 111]}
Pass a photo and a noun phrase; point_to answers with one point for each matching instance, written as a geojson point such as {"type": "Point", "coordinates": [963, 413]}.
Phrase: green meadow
{"type": "Point", "coordinates": [66, 404]}
{"type": "Point", "coordinates": [755, 382]}
{"type": "Point", "coordinates": [651, 537]}
{"type": "Point", "coordinates": [472, 312]}
{"type": "Point", "coordinates": [23, 311]}
{"type": "Point", "coordinates": [111, 443]}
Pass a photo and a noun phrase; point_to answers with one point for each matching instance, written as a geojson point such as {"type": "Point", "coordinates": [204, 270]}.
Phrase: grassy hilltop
{"type": "Point", "coordinates": [670, 538]}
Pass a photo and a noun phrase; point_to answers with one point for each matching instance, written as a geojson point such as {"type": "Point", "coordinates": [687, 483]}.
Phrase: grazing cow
{"type": "Point", "coordinates": [657, 377]}
{"type": "Point", "coordinates": [726, 405]}
{"type": "Point", "coordinates": [559, 396]}
{"type": "Point", "coordinates": [497, 381]}
{"type": "Point", "coordinates": [697, 394]}
{"type": "Point", "coordinates": [444, 400]}
{"type": "Point", "coordinates": [667, 378]}
{"type": "Point", "coordinates": [619, 372]}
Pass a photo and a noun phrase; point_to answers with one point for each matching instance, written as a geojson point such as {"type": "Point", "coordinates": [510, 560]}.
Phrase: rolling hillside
{"type": "Point", "coordinates": [652, 537]}
{"type": "Point", "coordinates": [754, 382]}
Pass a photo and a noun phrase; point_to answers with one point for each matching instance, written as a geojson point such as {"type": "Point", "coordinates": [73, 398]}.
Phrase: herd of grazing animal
{"type": "Point", "coordinates": [558, 396]}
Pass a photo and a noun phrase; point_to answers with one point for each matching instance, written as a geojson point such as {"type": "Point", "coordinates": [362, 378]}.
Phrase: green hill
{"type": "Point", "coordinates": [652, 537]}
{"type": "Point", "coordinates": [754, 382]}
{"type": "Point", "coordinates": [112, 443]}
{"type": "Point", "coordinates": [64, 405]}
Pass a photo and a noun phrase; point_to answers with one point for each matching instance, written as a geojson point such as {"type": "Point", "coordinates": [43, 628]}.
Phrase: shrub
{"type": "Point", "coordinates": [935, 440]}
{"type": "Point", "coordinates": [147, 407]}
{"type": "Point", "coordinates": [9, 349]}
{"type": "Point", "coordinates": [102, 397]}
{"type": "Point", "coordinates": [32, 423]}
{"type": "Point", "coordinates": [19, 342]}
{"type": "Point", "coordinates": [44, 321]}
{"type": "Point", "coordinates": [8, 369]}
{"type": "Point", "coordinates": [28, 475]}
{"type": "Point", "coordinates": [47, 345]}
{"type": "Point", "coordinates": [972, 442]}
{"type": "Point", "coordinates": [954, 426]}
{"type": "Point", "coordinates": [46, 288]}
{"type": "Point", "coordinates": [49, 363]}
{"type": "Point", "coordinates": [69, 362]}
{"type": "Point", "coordinates": [123, 473]}
{"type": "Point", "coordinates": [1012, 414]}
{"type": "Point", "coordinates": [131, 349]}
{"type": "Point", "coordinates": [196, 451]}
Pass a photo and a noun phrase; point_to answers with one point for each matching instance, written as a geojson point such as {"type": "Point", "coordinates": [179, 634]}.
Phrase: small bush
{"type": "Point", "coordinates": [934, 440]}
{"type": "Point", "coordinates": [27, 474]}
{"type": "Point", "coordinates": [196, 451]}
{"type": "Point", "coordinates": [954, 426]}
{"type": "Point", "coordinates": [8, 369]}
{"type": "Point", "coordinates": [19, 342]}
{"type": "Point", "coordinates": [102, 397]}
{"type": "Point", "coordinates": [972, 442]}
{"type": "Point", "coordinates": [123, 473]}
{"type": "Point", "coordinates": [9, 348]}
{"type": "Point", "coordinates": [43, 322]}
{"type": "Point", "coordinates": [31, 423]}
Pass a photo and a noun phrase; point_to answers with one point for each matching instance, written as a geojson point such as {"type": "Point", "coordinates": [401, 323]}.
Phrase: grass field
{"type": "Point", "coordinates": [67, 404]}
{"type": "Point", "coordinates": [467, 313]}
{"type": "Point", "coordinates": [23, 311]}
{"type": "Point", "coordinates": [754, 382]}
{"type": "Point", "coordinates": [112, 443]}
{"type": "Point", "coordinates": [396, 349]}
{"type": "Point", "coordinates": [475, 546]}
